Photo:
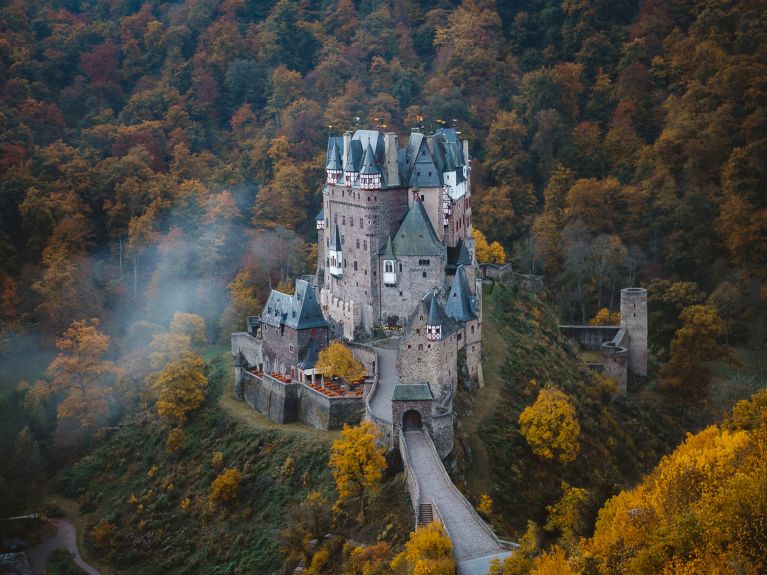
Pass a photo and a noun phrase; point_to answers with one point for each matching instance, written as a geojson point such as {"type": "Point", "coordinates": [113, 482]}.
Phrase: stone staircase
{"type": "Point", "coordinates": [425, 514]}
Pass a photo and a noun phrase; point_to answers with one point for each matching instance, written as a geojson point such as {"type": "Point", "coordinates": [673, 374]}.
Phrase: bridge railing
{"type": "Point", "coordinates": [412, 481]}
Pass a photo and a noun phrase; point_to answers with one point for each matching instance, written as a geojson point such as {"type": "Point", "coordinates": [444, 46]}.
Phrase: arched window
{"type": "Point", "coordinates": [389, 267]}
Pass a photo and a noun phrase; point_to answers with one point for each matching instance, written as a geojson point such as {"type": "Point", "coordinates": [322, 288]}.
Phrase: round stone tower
{"type": "Point", "coordinates": [634, 321]}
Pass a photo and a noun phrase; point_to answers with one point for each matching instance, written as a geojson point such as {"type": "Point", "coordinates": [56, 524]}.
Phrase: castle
{"type": "Point", "coordinates": [395, 257]}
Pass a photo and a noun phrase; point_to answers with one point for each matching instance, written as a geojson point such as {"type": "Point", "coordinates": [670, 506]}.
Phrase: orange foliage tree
{"type": "Point", "coordinates": [337, 360]}
{"type": "Point", "coordinates": [551, 426]}
{"type": "Point", "coordinates": [78, 371]}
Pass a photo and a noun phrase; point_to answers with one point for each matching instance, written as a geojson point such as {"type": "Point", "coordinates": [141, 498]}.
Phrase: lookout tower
{"type": "Point", "coordinates": [634, 321]}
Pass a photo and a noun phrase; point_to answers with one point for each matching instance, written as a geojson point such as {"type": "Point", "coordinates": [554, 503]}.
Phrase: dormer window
{"type": "Point", "coordinates": [389, 276]}
{"type": "Point", "coordinates": [434, 332]}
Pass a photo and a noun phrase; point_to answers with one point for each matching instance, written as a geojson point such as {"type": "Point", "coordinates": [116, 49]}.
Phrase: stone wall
{"type": "Point", "coordinates": [432, 362]}
{"type": "Point", "coordinates": [250, 347]}
{"type": "Point", "coordinates": [366, 355]}
{"type": "Point", "coordinates": [442, 433]}
{"type": "Point", "coordinates": [399, 408]}
{"type": "Point", "coordinates": [414, 281]}
{"type": "Point", "coordinates": [590, 336]}
{"type": "Point", "coordinates": [276, 400]}
{"type": "Point", "coordinates": [324, 412]}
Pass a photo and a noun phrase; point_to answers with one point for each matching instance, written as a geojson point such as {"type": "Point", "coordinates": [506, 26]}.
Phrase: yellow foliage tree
{"type": "Point", "coordinates": [189, 324]}
{"type": "Point", "coordinates": [487, 253]}
{"type": "Point", "coordinates": [367, 559]}
{"type": "Point", "coordinates": [358, 463]}
{"type": "Point", "coordinates": [551, 427]}
{"type": "Point", "coordinates": [176, 440]}
{"type": "Point", "coordinates": [485, 506]}
{"type": "Point", "coordinates": [77, 372]}
{"type": "Point", "coordinates": [552, 562]}
{"type": "Point", "coordinates": [702, 510]}
{"type": "Point", "coordinates": [225, 487]}
{"type": "Point", "coordinates": [103, 534]}
{"type": "Point", "coordinates": [337, 360]}
{"type": "Point", "coordinates": [428, 552]}
{"type": "Point", "coordinates": [567, 514]}
{"type": "Point", "coordinates": [604, 317]}
{"type": "Point", "coordinates": [180, 379]}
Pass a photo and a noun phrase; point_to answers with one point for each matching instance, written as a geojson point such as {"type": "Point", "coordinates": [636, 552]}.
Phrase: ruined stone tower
{"type": "Point", "coordinates": [634, 321]}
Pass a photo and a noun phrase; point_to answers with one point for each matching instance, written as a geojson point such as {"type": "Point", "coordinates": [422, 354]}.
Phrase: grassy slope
{"type": "Point", "coordinates": [622, 437]}
{"type": "Point", "coordinates": [241, 538]}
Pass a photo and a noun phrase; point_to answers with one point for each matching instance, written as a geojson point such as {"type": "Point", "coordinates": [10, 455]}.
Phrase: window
{"type": "Point", "coordinates": [400, 294]}
{"type": "Point", "coordinates": [343, 220]}
{"type": "Point", "coordinates": [423, 274]}
{"type": "Point", "coordinates": [365, 245]}
{"type": "Point", "coordinates": [351, 222]}
{"type": "Point", "coordinates": [424, 262]}
{"type": "Point", "coordinates": [389, 267]}
{"type": "Point", "coordinates": [420, 347]}
{"type": "Point", "coordinates": [355, 265]}
{"type": "Point", "coordinates": [358, 244]}
{"type": "Point", "coordinates": [400, 269]}
{"type": "Point", "coordinates": [418, 332]}
{"type": "Point", "coordinates": [291, 347]}
{"type": "Point", "coordinates": [335, 218]}
{"type": "Point", "coordinates": [361, 223]}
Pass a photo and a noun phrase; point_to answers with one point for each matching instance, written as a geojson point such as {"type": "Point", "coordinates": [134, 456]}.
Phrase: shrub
{"type": "Point", "coordinates": [225, 487]}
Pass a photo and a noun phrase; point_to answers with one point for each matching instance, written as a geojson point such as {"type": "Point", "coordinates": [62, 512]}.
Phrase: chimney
{"type": "Point", "coordinates": [466, 151]}
{"type": "Point", "coordinates": [390, 151]}
{"type": "Point", "coordinates": [347, 145]}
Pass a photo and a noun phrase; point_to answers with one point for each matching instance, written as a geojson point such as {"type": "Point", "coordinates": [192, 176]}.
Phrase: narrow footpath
{"type": "Point", "coordinates": [380, 403]}
{"type": "Point", "coordinates": [64, 538]}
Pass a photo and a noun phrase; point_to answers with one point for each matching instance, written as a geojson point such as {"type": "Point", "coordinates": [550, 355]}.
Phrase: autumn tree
{"type": "Point", "coordinates": [337, 360]}
{"type": "Point", "coordinates": [78, 373]}
{"type": "Point", "coordinates": [367, 559]}
{"type": "Point", "coordinates": [429, 550]}
{"type": "Point", "coordinates": [551, 426]}
{"type": "Point", "coordinates": [700, 511]}
{"type": "Point", "coordinates": [189, 324]}
{"type": "Point", "coordinates": [687, 374]}
{"type": "Point", "coordinates": [665, 302]}
{"type": "Point", "coordinates": [179, 379]}
{"type": "Point", "coordinates": [358, 463]}
{"type": "Point", "coordinates": [606, 317]}
{"type": "Point", "coordinates": [485, 252]}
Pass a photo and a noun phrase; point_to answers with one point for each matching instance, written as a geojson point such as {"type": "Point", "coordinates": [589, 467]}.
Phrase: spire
{"type": "Point", "coordinates": [434, 319]}
{"type": "Point", "coordinates": [334, 160]}
{"type": "Point", "coordinates": [389, 253]}
{"type": "Point", "coordinates": [460, 302]}
{"type": "Point", "coordinates": [335, 240]}
{"type": "Point", "coordinates": [369, 165]}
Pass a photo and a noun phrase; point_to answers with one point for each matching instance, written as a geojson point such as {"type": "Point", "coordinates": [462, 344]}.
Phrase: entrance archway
{"type": "Point", "coordinates": [411, 421]}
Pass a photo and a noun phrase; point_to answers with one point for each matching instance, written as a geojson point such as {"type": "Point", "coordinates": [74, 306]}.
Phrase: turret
{"type": "Point", "coordinates": [334, 168]}
{"type": "Point", "coordinates": [335, 256]}
{"type": "Point", "coordinates": [389, 265]}
{"type": "Point", "coordinates": [370, 174]}
{"type": "Point", "coordinates": [433, 322]}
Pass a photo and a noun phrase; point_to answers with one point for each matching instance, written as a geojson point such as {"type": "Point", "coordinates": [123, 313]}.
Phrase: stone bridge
{"type": "Point", "coordinates": [431, 490]}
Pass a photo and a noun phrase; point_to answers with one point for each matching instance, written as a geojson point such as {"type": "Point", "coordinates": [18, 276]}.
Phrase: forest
{"type": "Point", "coordinates": [161, 165]}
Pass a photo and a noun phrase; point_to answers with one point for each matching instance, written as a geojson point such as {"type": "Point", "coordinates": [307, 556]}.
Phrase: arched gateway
{"type": "Point", "coordinates": [411, 421]}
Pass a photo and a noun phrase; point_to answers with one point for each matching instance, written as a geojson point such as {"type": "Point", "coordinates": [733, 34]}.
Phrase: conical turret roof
{"type": "Point", "coordinates": [434, 318]}
{"type": "Point", "coordinates": [335, 239]}
{"type": "Point", "coordinates": [369, 165]}
{"type": "Point", "coordinates": [334, 161]}
{"type": "Point", "coordinates": [460, 302]}
{"type": "Point", "coordinates": [389, 252]}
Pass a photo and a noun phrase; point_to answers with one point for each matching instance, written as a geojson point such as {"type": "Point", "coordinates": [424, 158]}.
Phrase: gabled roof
{"type": "Point", "coordinates": [461, 305]}
{"type": "Point", "coordinates": [431, 306]}
{"type": "Point", "coordinates": [412, 392]}
{"type": "Point", "coordinates": [335, 240]}
{"type": "Point", "coordinates": [334, 159]}
{"type": "Point", "coordinates": [416, 236]}
{"type": "Point", "coordinates": [299, 311]}
{"type": "Point", "coordinates": [424, 173]}
{"type": "Point", "coordinates": [369, 164]}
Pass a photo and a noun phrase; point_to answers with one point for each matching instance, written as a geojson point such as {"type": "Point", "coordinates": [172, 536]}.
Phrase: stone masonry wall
{"type": "Point", "coordinates": [432, 362]}
{"type": "Point", "coordinates": [414, 281]}
{"type": "Point", "coordinates": [274, 399]}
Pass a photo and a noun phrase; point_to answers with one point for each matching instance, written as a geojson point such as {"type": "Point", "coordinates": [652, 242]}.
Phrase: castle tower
{"type": "Point", "coordinates": [634, 321]}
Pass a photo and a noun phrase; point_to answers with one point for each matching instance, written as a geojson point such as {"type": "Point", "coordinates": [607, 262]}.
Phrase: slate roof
{"type": "Point", "coordinates": [388, 251]}
{"type": "Point", "coordinates": [369, 164]}
{"type": "Point", "coordinates": [461, 305]}
{"type": "Point", "coordinates": [458, 255]}
{"type": "Point", "coordinates": [435, 317]}
{"type": "Point", "coordinates": [310, 359]}
{"type": "Point", "coordinates": [299, 311]}
{"type": "Point", "coordinates": [424, 173]}
{"type": "Point", "coordinates": [412, 392]}
{"type": "Point", "coordinates": [416, 236]}
{"type": "Point", "coordinates": [334, 159]}
{"type": "Point", "coordinates": [335, 240]}
{"type": "Point", "coordinates": [320, 215]}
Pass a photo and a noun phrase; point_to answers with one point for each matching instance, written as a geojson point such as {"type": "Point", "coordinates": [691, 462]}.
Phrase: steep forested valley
{"type": "Point", "coordinates": [161, 168]}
